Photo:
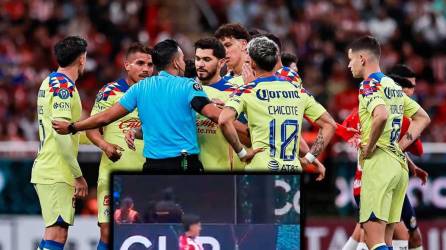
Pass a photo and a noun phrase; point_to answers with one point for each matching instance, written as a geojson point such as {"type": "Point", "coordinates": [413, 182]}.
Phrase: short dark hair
{"type": "Point", "coordinates": [402, 70]}
{"type": "Point", "coordinates": [138, 47]}
{"type": "Point", "coordinates": [189, 220]}
{"type": "Point", "coordinates": [399, 73]}
{"type": "Point", "coordinates": [264, 52]}
{"type": "Point", "coordinates": [275, 39]}
{"type": "Point", "coordinates": [218, 50]}
{"type": "Point", "coordinates": [288, 59]}
{"type": "Point", "coordinates": [234, 30]}
{"type": "Point", "coordinates": [164, 52]}
{"type": "Point", "coordinates": [190, 71]}
{"type": "Point", "coordinates": [69, 49]}
{"type": "Point", "coordinates": [368, 43]}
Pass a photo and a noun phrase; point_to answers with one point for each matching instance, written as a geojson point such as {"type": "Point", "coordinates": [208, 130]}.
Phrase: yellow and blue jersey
{"type": "Point", "coordinates": [56, 161]}
{"type": "Point", "coordinates": [114, 132]}
{"type": "Point", "coordinates": [275, 108]}
{"type": "Point", "coordinates": [379, 89]}
{"type": "Point", "coordinates": [215, 152]}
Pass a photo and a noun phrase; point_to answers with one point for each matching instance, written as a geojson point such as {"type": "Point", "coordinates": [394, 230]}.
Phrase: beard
{"type": "Point", "coordinates": [209, 75]}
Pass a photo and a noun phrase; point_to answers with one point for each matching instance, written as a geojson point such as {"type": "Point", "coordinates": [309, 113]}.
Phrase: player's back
{"type": "Point", "coordinates": [114, 132]}
{"type": "Point", "coordinates": [380, 89]}
{"type": "Point", "coordinates": [275, 109]}
{"type": "Point", "coordinates": [57, 99]}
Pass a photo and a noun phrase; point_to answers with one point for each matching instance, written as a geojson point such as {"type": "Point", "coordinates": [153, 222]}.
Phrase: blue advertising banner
{"type": "Point", "coordinates": [213, 236]}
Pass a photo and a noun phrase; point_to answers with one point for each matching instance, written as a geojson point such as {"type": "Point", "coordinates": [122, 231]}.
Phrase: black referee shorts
{"type": "Point", "coordinates": [189, 163]}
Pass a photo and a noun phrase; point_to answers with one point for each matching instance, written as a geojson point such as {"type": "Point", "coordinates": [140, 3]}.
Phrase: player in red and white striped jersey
{"type": "Point", "coordinates": [192, 227]}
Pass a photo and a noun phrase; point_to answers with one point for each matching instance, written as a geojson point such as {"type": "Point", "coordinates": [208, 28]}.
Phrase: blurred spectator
{"type": "Point", "coordinates": [167, 210]}
{"type": "Point", "coordinates": [413, 32]}
{"type": "Point", "coordinates": [126, 213]}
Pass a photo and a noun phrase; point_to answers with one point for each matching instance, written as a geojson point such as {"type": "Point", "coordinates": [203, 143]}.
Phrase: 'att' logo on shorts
{"type": "Point", "coordinates": [107, 212]}
{"type": "Point", "coordinates": [107, 200]}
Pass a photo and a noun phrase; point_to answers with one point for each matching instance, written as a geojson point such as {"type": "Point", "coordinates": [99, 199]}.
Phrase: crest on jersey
{"type": "Point", "coordinates": [60, 86]}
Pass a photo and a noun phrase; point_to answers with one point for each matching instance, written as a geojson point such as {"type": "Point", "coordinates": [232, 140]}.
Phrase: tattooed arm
{"type": "Point", "coordinates": [327, 129]}
{"type": "Point", "coordinates": [419, 122]}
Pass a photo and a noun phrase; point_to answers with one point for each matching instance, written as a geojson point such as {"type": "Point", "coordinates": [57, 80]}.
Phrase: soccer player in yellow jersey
{"type": "Point", "coordinates": [56, 174]}
{"type": "Point", "coordinates": [138, 65]}
{"type": "Point", "coordinates": [234, 38]}
{"type": "Point", "coordinates": [215, 152]}
{"type": "Point", "coordinates": [275, 110]}
{"type": "Point", "coordinates": [382, 105]}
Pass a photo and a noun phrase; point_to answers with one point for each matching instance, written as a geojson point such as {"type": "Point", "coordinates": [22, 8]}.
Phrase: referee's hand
{"type": "Point", "coordinates": [130, 139]}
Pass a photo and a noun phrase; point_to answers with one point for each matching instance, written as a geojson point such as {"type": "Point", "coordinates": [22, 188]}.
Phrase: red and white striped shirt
{"type": "Point", "coordinates": [189, 243]}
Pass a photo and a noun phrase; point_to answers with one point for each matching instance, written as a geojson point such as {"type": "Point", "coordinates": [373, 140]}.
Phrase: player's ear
{"type": "Point", "coordinates": [126, 65]}
{"type": "Point", "coordinates": [83, 59]}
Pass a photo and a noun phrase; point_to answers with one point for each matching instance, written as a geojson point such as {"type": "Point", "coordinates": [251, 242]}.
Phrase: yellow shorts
{"type": "Point", "coordinates": [57, 202]}
{"type": "Point", "coordinates": [383, 186]}
{"type": "Point", "coordinates": [103, 199]}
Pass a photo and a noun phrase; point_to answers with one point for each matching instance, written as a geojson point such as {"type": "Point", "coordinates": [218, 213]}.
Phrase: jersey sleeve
{"type": "Point", "coordinates": [237, 101]}
{"type": "Point", "coordinates": [129, 99]}
{"type": "Point", "coordinates": [195, 90]}
{"type": "Point", "coordinates": [410, 106]}
{"type": "Point", "coordinates": [370, 97]}
{"type": "Point", "coordinates": [101, 103]}
{"type": "Point", "coordinates": [62, 102]}
{"type": "Point", "coordinates": [313, 110]}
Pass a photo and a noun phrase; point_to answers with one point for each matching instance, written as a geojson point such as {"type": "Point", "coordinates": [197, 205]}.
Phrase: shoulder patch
{"type": "Point", "coordinates": [369, 86]}
{"type": "Point", "coordinates": [197, 86]}
{"type": "Point", "coordinates": [61, 87]}
{"type": "Point", "coordinates": [109, 89]}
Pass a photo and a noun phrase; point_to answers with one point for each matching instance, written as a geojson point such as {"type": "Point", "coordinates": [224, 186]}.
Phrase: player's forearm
{"type": "Point", "coordinates": [303, 147]}
{"type": "Point", "coordinates": [410, 164]}
{"type": "Point", "coordinates": [96, 137]}
{"type": "Point", "coordinates": [327, 130]}
{"type": "Point", "coordinates": [324, 137]}
{"type": "Point", "coordinates": [64, 143]}
{"type": "Point", "coordinates": [243, 133]}
{"type": "Point", "coordinates": [102, 119]}
{"type": "Point", "coordinates": [419, 122]}
{"type": "Point", "coordinates": [378, 125]}
{"type": "Point", "coordinates": [230, 134]}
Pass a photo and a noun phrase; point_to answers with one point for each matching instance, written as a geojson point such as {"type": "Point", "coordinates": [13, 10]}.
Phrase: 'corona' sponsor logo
{"type": "Point", "coordinates": [266, 95]}
{"type": "Point", "coordinates": [392, 93]}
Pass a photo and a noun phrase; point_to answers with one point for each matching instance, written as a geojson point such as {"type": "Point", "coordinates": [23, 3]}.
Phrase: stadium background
{"type": "Point", "coordinates": [412, 32]}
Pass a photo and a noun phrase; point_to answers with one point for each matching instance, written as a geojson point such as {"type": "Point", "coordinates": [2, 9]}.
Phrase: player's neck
{"type": "Point", "coordinates": [278, 66]}
{"type": "Point", "coordinates": [370, 70]}
{"type": "Point", "coordinates": [70, 72]}
{"type": "Point", "coordinates": [129, 81]}
{"type": "Point", "coordinates": [214, 79]}
{"type": "Point", "coordinates": [262, 73]}
{"type": "Point", "coordinates": [238, 69]}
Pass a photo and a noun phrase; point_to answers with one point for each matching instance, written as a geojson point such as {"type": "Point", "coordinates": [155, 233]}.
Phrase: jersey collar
{"type": "Point", "coordinates": [266, 79]}
{"type": "Point", "coordinates": [123, 85]}
{"type": "Point", "coordinates": [55, 73]}
{"type": "Point", "coordinates": [376, 76]}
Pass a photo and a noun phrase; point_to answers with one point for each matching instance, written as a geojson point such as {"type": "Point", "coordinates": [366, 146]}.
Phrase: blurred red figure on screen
{"type": "Point", "coordinates": [192, 227]}
{"type": "Point", "coordinates": [126, 214]}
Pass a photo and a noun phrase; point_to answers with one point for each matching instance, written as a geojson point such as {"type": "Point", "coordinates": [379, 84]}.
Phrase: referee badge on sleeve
{"type": "Point", "coordinates": [197, 86]}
